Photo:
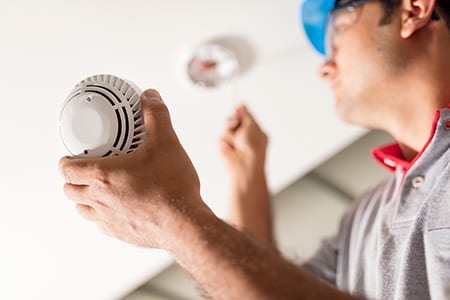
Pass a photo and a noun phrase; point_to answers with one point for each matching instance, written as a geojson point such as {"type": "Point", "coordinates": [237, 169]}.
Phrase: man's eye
{"type": "Point", "coordinates": [342, 21]}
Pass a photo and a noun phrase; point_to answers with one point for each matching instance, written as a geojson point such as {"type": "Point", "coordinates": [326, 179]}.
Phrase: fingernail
{"type": "Point", "coordinates": [240, 109]}
{"type": "Point", "coordinates": [152, 95]}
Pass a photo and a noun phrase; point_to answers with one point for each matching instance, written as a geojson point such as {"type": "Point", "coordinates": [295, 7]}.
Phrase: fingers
{"type": "Point", "coordinates": [78, 171]}
{"type": "Point", "coordinates": [229, 134]}
{"type": "Point", "coordinates": [86, 212]}
{"type": "Point", "coordinates": [87, 207]}
{"type": "Point", "coordinates": [243, 112]}
{"type": "Point", "coordinates": [80, 195]}
{"type": "Point", "coordinates": [226, 146]}
{"type": "Point", "coordinates": [244, 116]}
{"type": "Point", "coordinates": [77, 193]}
{"type": "Point", "coordinates": [233, 123]}
{"type": "Point", "coordinates": [241, 118]}
{"type": "Point", "coordinates": [248, 120]}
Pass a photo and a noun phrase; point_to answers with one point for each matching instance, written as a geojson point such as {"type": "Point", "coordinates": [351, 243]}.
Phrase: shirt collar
{"type": "Point", "coordinates": [391, 157]}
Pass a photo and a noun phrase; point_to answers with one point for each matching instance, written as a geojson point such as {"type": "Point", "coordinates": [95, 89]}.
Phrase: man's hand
{"type": "Point", "coordinates": [151, 198]}
{"type": "Point", "coordinates": [142, 197]}
{"type": "Point", "coordinates": [243, 148]}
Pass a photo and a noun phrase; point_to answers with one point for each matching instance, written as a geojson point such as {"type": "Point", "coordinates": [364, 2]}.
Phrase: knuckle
{"type": "Point", "coordinates": [80, 208]}
{"type": "Point", "coordinates": [61, 164]}
{"type": "Point", "coordinates": [100, 176]}
{"type": "Point", "coordinates": [64, 170]}
{"type": "Point", "coordinates": [67, 188]}
{"type": "Point", "coordinates": [100, 205]}
{"type": "Point", "coordinates": [71, 192]}
{"type": "Point", "coordinates": [85, 211]}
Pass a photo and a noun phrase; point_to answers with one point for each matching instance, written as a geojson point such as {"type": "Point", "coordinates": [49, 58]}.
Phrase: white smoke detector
{"type": "Point", "coordinates": [102, 117]}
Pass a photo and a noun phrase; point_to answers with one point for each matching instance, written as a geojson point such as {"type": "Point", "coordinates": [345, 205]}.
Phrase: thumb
{"type": "Point", "coordinates": [245, 115]}
{"type": "Point", "coordinates": [151, 94]}
{"type": "Point", "coordinates": [154, 113]}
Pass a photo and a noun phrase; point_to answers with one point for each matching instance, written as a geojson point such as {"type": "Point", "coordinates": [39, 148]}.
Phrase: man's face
{"type": "Point", "coordinates": [363, 62]}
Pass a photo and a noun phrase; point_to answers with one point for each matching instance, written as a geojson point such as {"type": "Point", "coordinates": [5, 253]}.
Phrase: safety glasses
{"type": "Point", "coordinates": [341, 17]}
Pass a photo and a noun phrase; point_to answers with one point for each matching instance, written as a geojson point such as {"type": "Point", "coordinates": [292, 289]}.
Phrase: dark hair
{"type": "Point", "coordinates": [443, 9]}
{"type": "Point", "coordinates": [389, 8]}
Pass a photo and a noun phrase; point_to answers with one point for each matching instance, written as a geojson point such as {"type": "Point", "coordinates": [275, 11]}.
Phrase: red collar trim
{"type": "Point", "coordinates": [390, 156]}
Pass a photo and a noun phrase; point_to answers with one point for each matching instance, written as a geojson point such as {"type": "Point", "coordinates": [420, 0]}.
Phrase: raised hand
{"type": "Point", "coordinates": [243, 147]}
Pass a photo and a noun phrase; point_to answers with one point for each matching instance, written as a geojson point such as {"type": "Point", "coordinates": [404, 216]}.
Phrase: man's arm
{"type": "Point", "coordinates": [231, 265]}
{"type": "Point", "coordinates": [151, 198]}
{"type": "Point", "coordinates": [243, 148]}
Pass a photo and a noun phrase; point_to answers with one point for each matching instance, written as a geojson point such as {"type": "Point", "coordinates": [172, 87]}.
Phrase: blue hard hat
{"type": "Point", "coordinates": [314, 14]}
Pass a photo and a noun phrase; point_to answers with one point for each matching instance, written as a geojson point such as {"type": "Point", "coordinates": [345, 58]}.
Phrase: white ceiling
{"type": "Point", "coordinates": [47, 46]}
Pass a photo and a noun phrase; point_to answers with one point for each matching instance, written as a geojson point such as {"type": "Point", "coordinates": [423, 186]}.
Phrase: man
{"type": "Point", "coordinates": [388, 64]}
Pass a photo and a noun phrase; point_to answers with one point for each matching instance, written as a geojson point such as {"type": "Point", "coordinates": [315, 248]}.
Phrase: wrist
{"type": "Point", "coordinates": [187, 226]}
{"type": "Point", "coordinates": [249, 183]}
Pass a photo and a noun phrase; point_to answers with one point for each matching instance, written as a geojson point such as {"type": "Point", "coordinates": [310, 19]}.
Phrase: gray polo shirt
{"type": "Point", "coordinates": [394, 243]}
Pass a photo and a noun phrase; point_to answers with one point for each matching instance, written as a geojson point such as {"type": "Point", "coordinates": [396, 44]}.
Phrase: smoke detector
{"type": "Point", "coordinates": [102, 117]}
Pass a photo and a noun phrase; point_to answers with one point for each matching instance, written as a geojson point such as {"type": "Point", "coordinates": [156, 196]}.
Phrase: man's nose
{"type": "Point", "coordinates": [327, 70]}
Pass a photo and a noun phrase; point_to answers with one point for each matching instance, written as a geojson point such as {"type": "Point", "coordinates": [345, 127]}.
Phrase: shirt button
{"type": "Point", "coordinates": [417, 181]}
{"type": "Point", "coordinates": [447, 124]}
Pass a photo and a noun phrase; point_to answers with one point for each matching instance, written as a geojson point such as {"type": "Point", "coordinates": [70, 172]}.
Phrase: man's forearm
{"type": "Point", "coordinates": [251, 208]}
{"type": "Point", "coordinates": [230, 265]}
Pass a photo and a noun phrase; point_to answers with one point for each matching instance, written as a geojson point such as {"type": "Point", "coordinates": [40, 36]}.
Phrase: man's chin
{"type": "Point", "coordinates": [344, 112]}
{"type": "Point", "coordinates": [338, 107]}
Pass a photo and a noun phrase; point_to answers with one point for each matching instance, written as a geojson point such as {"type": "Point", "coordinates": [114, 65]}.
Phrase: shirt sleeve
{"type": "Point", "coordinates": [324, 264]}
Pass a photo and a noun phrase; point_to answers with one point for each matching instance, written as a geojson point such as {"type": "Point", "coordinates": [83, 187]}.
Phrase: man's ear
{"type": "Point", "coordinates": [415, 15]}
